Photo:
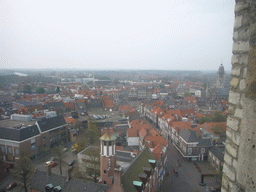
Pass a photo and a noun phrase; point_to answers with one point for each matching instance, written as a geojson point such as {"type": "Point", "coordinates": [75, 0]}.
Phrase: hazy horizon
{"type": "Point", "coordinates": [113, 35]}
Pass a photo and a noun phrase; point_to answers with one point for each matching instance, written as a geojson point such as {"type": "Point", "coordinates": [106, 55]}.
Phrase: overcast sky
{"type": "Point", "coordinates": [116, 34]}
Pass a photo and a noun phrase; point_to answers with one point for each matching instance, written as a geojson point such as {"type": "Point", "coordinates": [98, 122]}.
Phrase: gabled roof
{"type": "Point", "coordinates": [178, 125]}
{"type": "Point", "coordinates": [70, 120]}
{"type": "Point", "coordinates": [187, 112]}
{"type": "Point", "coordinates": [188, 135]}
{"type": "Point", "coordinates": [143, 132]}
{"type": "Point", "coordinates": [40, 180]}
{"type": "Point", "coordinates": [136, 168]}
{"type": "Point", "coordinates": [157, 151]}
{"type": "Point", "coordinates": [47, 124]}
{"type": "Point", "coordinates": [218, 152]}
{"type": "Point", "coordinates": [21, 134]}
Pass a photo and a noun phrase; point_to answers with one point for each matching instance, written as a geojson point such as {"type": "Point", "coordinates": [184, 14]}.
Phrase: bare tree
{"type": "Point", "coordinates": [92, 163]}
{"type": "Point", "coordinates": [60, 155]}
{"type": "Point", "coordinates": [23, 170]}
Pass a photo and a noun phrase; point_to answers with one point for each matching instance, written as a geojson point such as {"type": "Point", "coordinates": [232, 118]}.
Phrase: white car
{"type": "Point", "coordinates": [48, 163]}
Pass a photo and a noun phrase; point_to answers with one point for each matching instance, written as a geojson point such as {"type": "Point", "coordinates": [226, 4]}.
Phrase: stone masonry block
{"type": "Point", "coordinates": [229, 133]}
{"type": "Point", "coordinates": [238, 22]}
{"type": "Point", "coordinates": [234, 97]}
{"type": "Point", "coordinates": [243, 34]}
{"type": "Point", "coordinates": [228, 159]}
{"type": "Point", "coordinates": [234, 82]}
{"type": "Point", "coordinates": [239, 113]}
{"type": "Point", "coordinates": [231, 109]}
{"type": "Point", "coordinates": [236, 137]}
{"type": "Point", "coordinates": [234, 59]}
{"type": "Point", "coordinates": [243, 59]}
{"type": "Point", "coordinates": [235, 36]}
{"type": "Point", "coordinates": [230, 172]}
{"type": "Point", "coordinates": [233, 123]}
{"type": "Point", "coordinates": [245, 73]}
{"type": "Point", "coordinates": [240, 47]}
{"type": "Point", "coordinates": [240, 6]}
{"type": "Point", "coordinates": [236, 71]}
{"type": "Point", "coordinates": [231, 149]}
{"type": "Point", "coordinates": [225, 182]}
{"type": "Point", "coordinates": [235, 163]}
{"type": "Point", "coordinates": [242, 85]}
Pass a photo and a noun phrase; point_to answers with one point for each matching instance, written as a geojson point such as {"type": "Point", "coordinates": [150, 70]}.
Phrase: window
{"type": "Point", "coordinates": [104, 182]}
{"type": "Point", "coordinates": [33, 146]}
{"type": "Point", "coordinates": [3, 149]}
{"type": "Point", "coordinates": [189, 150]}
{"type": "Point", "coordinates": [44, 138]}
{"type": "Point", "coordinates": [9, 150]}
{"type": "Point", "coordinates": [16, 151]}
{"type": "Point", "coordinates": [202, 150]}
{"type": "Point", "coordinates": [110, 143]}
{"type": "Point", "coordinates": [105, 143]}
{"type": "Point", "coordinates": [33, 140]}
{"type": "Point", "coordinates": [105, 171]}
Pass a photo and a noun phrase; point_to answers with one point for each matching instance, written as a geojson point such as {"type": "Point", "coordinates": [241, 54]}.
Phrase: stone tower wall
{"type": "Point", "coordinates": [239, 170]}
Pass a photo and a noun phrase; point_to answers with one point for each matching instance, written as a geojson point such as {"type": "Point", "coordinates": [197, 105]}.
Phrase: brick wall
{"type": "Point", "coordinates": [240, 156]}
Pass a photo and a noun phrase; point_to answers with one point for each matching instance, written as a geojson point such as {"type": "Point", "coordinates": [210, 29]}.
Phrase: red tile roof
{"type": "Point", "coordinates": [155, 140]}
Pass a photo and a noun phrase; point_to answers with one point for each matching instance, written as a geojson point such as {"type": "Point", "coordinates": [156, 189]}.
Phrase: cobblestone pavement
{"type": "Point", "coordinates": [188, 175]}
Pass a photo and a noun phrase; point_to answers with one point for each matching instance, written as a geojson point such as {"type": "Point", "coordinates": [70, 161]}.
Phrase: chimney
{"type": "Point", "coordinates": [69, 170]}
{"type": "Point", "coordinates": [48, 169]}
{"type": "Point", "coordinates": [143, 178]}
{"type": "Point", "coordinates": [117, 176]}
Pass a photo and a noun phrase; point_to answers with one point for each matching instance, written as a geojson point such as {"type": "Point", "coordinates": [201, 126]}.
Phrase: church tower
{"type": "Point", "coordinates": [221, 77]}
{"type": "Point", "coordinates": [107, 158]}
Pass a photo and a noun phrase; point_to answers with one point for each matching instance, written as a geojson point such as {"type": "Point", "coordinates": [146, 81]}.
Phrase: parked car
{"type": "Point", "coordinates": [11, 186]}
{"type": "Point", "coordinates": [48, 163]}
{"type": "Point", "coordinates": [65, 149]}
{"type": "Point", "coordinates": [54, 164]}
{"type": "Point", "coordinates": [71, 163]}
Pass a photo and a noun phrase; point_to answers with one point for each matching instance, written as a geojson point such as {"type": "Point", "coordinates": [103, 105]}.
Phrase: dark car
{"type": "Point", "coordinates": [11, 186]}
{"type": "Point", "coordinates": [71, 163]}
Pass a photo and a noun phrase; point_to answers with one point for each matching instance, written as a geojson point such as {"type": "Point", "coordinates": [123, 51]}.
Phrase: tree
{"type": "Point", "coordinates": [57, 89]}
{"type": "Point", "coordinates": [92, 163]}
{"type": "Point", "coordinates": [161, 86]}
{"type": "Point", "coordinates": [60, 155]}
{"type": "Point", "coordinates": [44, 151]}
{"type": "Point", "coordinates": [27, 89]}
{"type": "Point", "coordinates": [23, 170]}
{"type": "Point", "coordinates": [203, 120]}
{"type": "Point", "coordinates": [174, 95]}
{"type": "Point", "coordinates": [92, 134]}
{"type": "Point", "coordinates": [40, 90]}
{"type": "Point", "coordinates": [218, 117]}
{"type": "Point", "coordinates": [186, 94]}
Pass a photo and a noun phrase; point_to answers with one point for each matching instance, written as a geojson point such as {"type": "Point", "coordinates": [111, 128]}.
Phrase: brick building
{"type": "Point", "coordinates": [31, 136]}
